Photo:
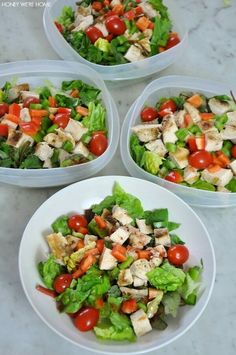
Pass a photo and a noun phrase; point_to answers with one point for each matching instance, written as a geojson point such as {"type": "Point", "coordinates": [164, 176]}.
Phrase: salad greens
{"type": "Point", "coordinates": [125, 277]}
{"type": "Point", "coordinates": [46, 127]}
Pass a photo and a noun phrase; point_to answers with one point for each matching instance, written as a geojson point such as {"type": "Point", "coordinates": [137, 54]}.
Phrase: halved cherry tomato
{"type": "Point", "coordinates": [93, 33]}
{"type": "Point", "coordinates": [138, 10]}
{"type": "Point", "coordinates": [100, 245]}
{"type": "Point", "coordinates": [83, 230]}
{"type": "Point", "coordinates": [97, 6]}
{"type": "Point", "coordinates": [14, 109]}
{"type": "Point", "coordinates": [77, 221]}
{"type": "Point", "coordinates": [187, 120]}
{"type": "Point", "coordinates": [3, 130]}
{"type": "Point", "coordinates": [4, 108]}
{"type": "Point", "coordinates": [174, 176]}
{"type": "Point", "coordinates": [167, 107]}
{"type": "Point", "coordinates": [61, 119]}
{"type": "Point", "coordinates": [62, 282]}
{"type": "Point", "coordinates": [200, 159]}
{"type": "Point", "coordinates": [178, 254]}
{"type": "Point", "coordinates": [192, 144]}
{"type": "Point", "coordinates": [86, 319]}
{"type": "Point", "coordinates": [130, 15]}
{"type": "Point", "coordinates": [233, 151]}
{"type": "Point", "coordinates": [64, 110]}
{"type": "Point", "coordinates": [129, 306]}
{"type": "Point", "coordinates": [100, 222]}
{"type": "Point", "coordinates": [98, 144]}
{"type": "Point", "coordinates": [58, 26]}
{"type": "Point", "coordinates": [119, 252]}
{"type": "Point", "coordinates": [115, 25]}
{"type": "Point", "coordinates": [173, 40]}
{"type": "Point", "coordinates": [46, 291]}
{"type": "Point", "coordinates": [30, 100]}
{"type": "Point", "coordinates": [149, 114]}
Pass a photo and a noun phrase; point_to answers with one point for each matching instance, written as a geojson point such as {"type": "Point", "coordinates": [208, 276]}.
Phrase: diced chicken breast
{"type": "Point", "coordinates": [125, 278]}
{"type": "Point", "coordinates": [229, 132]}
{"type": "Point", "coordinates": [190, 175]}
{"type": "Point", "coordinates": [147, 33]}
{"type": "Point", "coordinates": [25, 94]}
{"type": "Point", "coordinates": [222, 189]}
{"type": "Point", "coordinates": [180, 157]}
{"type": "Point", "coordinates": [76, 129]}
{"type": "Point", "coordinates": [193, 112]}
{"type": "Point", "coordinates": [58, 244]}
{"type": "Point", "coordinates": [134, 293]}
{"type": "Point", "coordinates": [140, 323]}
{"type": "Point", "coordinates": [207, 126]}
{"type": "Point", "coordinates": [114, 3]}
{"type": "Point", "coordinates": [14, 92]}
{"type": "Point", "coordinates": [169, 128]}
{"type": "Point", "coordinates": [23, 139]}
{"type": "Point", "coordinates": [89, 238]}
{"type": "Point", "coordinates": [179, 118]}
{"type": "Point", "coordinates": [220, 178]}
{"type": "Point", "coordinates": [102, 28]}
{"type": "Point", "coordinates": [148, 10]}
{"type": "Point", "coordinates": [84, 24]}
{"type": "Point", "coordinates": [121, 215]}
{"type": "Point", "coordinates": [63, 154]}
{"type": "Point", "coordinates": [10, 124]}
{"type": "Point", "coordinates": [231, 118]}
{"type": "Point", "coordinates": [84, 10]}
{"type": "Point", "coordinates": [43, 151]}
{"type": "Point", "coordinates": [218, 107]}
{"type": "Point", "coordinates": [139, 268]}
{"type": "Point", "coordinates": [25, 115]}
{"type": "Point", "coordinates": [137, 282]}
{"type": "Point", "coordinates": [155, 261]}
{"type": "Point", "coordinates": [233, 166]}
{"type": "Point", "coordinates": [107, 260]}
{"type": "Point", "coordinates": [80, 148]}
{"type": "Point", "coordinates": [214, 141]}
{"type": "Point", "coordinates": [120, 235]}
{"type": "Point", "coordinates": [57, 139]}
{"type": "Point", "coordinates": [13, 137]}
{"type": "Point", "coordinates": [134, 54]}
{"type": "Point", "coordinates": [143, 227]}
{"type": "Point", "coordinates": [47, 163]}
{"type": "Point", "coordinates": [147, 132]}
{"type": "Point", "coordinates": [137, 239]}
{"type": "Point", "coordinates": [157, 146]}
{"type": "Point", "coordinates": [145, 44]}
{"type": "Point", "coordinates": [162, 237]}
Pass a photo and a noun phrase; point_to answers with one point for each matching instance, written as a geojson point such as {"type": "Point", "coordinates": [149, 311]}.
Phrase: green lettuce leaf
{"type": "Point", "coordinates": [137, 150]}
{"type": "Point", "coordinates": [231, 186]}
{"type": "Point", "coordinates": [49, 270]}
{"type": "Point", "coordinates": [160, 35]}
{"type": "Point", "coordinates": [60, 225]}
{"type": "Point", "coordinates": [96, 119]}
{"type": "Point", "coordinates": [151, 162]}
{"type": "Point", "coordinates": [166, 277]}
{"type": "Point", "coordinates": [175, 239]}
{"type": "Point", "coordinates": [87, 93]}
{"type": "Point", "coordinates": [67, 16]}
{"type": "Point", "coordinates": [31, 162]}
{"type": "Point", "coordinates": [109, 332]}
{"type": "Point", "coordinates": [72, 260]}
{"type": "Point", "coordinates": [157, 215]}
{"type": "Point", "coordinates": [160, 7]}
{"type": "Point", "coordinates": [203, 185]}
{"type": "Point", "coordinates": [152, 306]}
{"type": "Point", "coordinates": [189, 289]}
{"type": "Point", "coordinates": [171, 302]}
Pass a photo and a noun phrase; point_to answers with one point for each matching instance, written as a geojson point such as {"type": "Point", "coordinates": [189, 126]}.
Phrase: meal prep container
{"type": "Point", "coordinates": [35, 73]}
{"type": "Point", "coordinates": [166, 87]}
{"type": "Point", "coordinates": [122, 71]}
{"type": "Point", "coordinates": [82, 195]}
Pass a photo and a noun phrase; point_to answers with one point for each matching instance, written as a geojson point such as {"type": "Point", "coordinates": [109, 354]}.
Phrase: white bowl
{"type": "Point", "coordinates": [82, 195]}
{"type": "Point", "coordinates": [127, 71]}
{"type": "Point", "coordinates": [166, 87]}
{"type": "Point", "coordinates": [35, 73]}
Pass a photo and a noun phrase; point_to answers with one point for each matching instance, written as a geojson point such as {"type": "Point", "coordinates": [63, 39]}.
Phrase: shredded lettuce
{"type": "Point", "coordinates": [137, 150]}
{"type": "Point", "coordinates": [171, 302]}
{"type": "Point", "coordinates": [87, 93]}
{"type": "Point", "coordinates": [67, 16]}
{"type": "Point", "coordinates": [95, 121]}
{"type": "Point", "coordinates": [151, 162]}
{"type": "Point", "coordinates": [189, 289]}
{"type": "Point", "coordinates": [49, 270]}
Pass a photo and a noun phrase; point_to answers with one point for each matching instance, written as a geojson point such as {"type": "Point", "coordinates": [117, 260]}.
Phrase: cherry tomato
{"type": "Point", "coordinates": [61, 119]}
{"type": "Point", "coordinates": [77, 221]}
{"type": "Point", "coordinates": [174, 176]}
{"type": "Point", "coordinates": [30, 100]}
{"type": "Point", "coordinates": [167, 107]}
{"type": "Point", "coordinates": [86, 319]}
{"type": "Point", "coordinates": [178, 254]}
{"type": "Point", "coordinates": [4, 108]}
{"type": "Point", "coordinates": [173, 40]}
{"type": "Point", "coordinates": [200, 159]}
{"type": "Point", "coordinates": [115, 25]}
{"type": "Point", "coordinates": [3, 130]}
{"type": "Point", "coordinates": [233, 151]}
{"type": "Point", "coordinates": [93, 33]}
{"type": "Point", "coordinates": [149, 114]}
{"type": "Point", "coordinates": [98, 144]}
{"type": "Point", "coordinates": [62, 282]}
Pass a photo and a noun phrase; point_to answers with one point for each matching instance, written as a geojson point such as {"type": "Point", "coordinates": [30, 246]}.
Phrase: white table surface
{"type": "Point", "coordinates": [211, 54]}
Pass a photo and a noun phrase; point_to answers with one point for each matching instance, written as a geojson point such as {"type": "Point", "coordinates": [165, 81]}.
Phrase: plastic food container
{"type": "Point", "coordinates": [81, 195]}
{"type": "Point", "coordinates": [35, 73]}
{"type": "Point", "coordinates": [166, 87]}
{"type": "Point", "coordinates": [116, 72]}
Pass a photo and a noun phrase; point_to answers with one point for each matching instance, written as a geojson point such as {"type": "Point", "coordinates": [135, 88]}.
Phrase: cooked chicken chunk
{"type": "Point", "coordinates": [218, 107]}
{"type": "Point", "coordinates": [193, 112]}
{"type": "Point", "coordinates": [43, 151]}
{"type": "Point", "coordinates": [169, 128]}
{"type": "Point", "coordinates": [140, 322]}
{"type": "Point", "coordinates": [220, 178]}
{"type": "Point", "coordinates": [76, 129]}
{"type": "Point", "coordinates": [121, 215]}
{"type": "Point", "coordinates": [180, 157]}
{"type": "Point", "coordinates": [157, 147]}
{"type": "Point", "coordinates": [147, 132]}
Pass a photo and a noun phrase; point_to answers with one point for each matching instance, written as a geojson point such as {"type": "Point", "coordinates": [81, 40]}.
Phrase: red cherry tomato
{"type": "Point", "coordinates": [98, 144]}
{"type": "Point", "coordinates": [200, 159]}
{"type": "Point", "coordinates": [167, 107]}
{"type": "Point", "coordinates": [115, 25]}
{"type": "Point", "coordinates": [178, 254]}
{"type": "Point", "coordinates": [174, 176]}
{"type": "Point", "coordinates": [149, 114]}
{"type": "Point", "coordinates": [86, 319]}
{"type": "Point", "coordinates": [192, 145]}
{"type": "Point", "coordinates": [30, 100]}
{"type": "Point", "coordinates": [62, 282]}
{"type": "Point", "coordinates": [4, 108]}
{"type": "Point", "coordinates": [61, 119]}
{"type": "Point", "coordinates": [93, 33]}
{"type": "Point", "coordinates": [3, 130]}
{"type": "Point", "coordinates": [173, 40]}
{"type": "Point", "coordinates": [77, 221]}
{"type": "Point", "coordinates": [233, 151]}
